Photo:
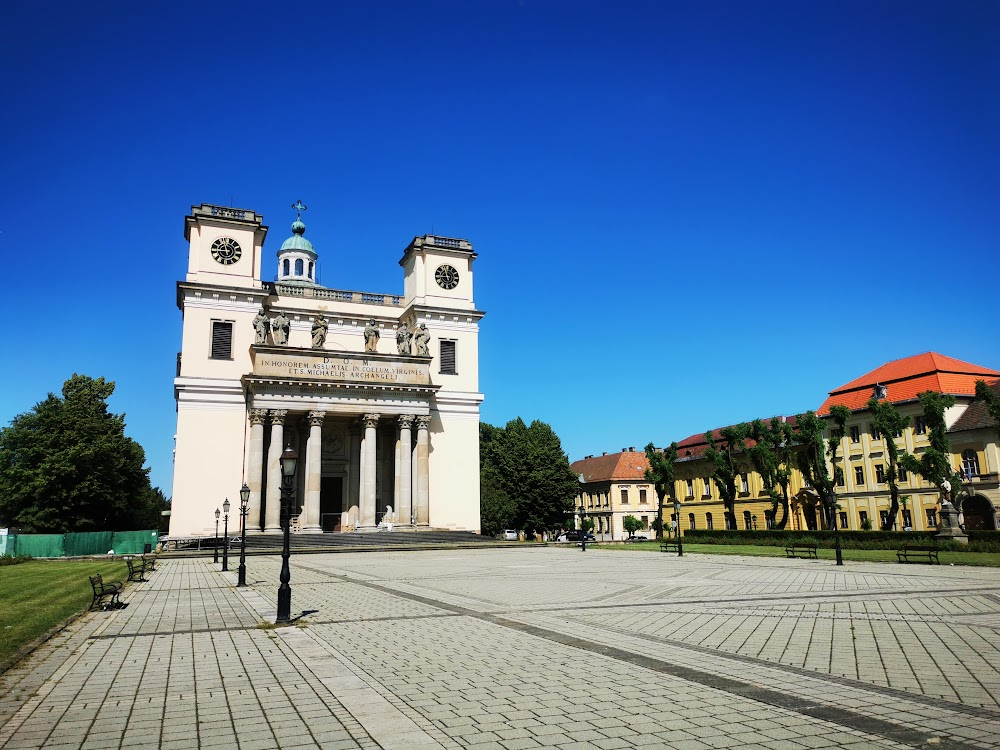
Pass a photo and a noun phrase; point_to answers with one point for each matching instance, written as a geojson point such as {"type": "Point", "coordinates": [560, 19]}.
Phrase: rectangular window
{"type": "Point", "coordinates": [448, 357]}
{"type": "Point", "coordinates": [879, 473]}
{"type": "Point", "coordinates": [932, 517]}
{"type": "Point", "coordinates": [708, 487]}
{"type": "Point", "coordinates": [690, 488]}
{"type": "Point", "coordinates": [624, 496]}
{"type": "Point", "coordinates": [840, 478]}
{"type": "Point", "coordinates": [642, 496]}
{"type": "Point", "coordinates": [901, 473]}
{"type": "Point", "coordinates": [222, 339]}
{"type": "Point", "coordinates": [875, 433]}
{"type": "Point", "coordinates": [883, 517]}
{"type": "Point", "coordinates": [907, 520]}
{"type": "Point", "coordinates": [744, 483]}
{"type": "Point", "coordinates": [859, 474]}
{"type": "Point", "coordinates": [691, 523]}
{"type": "Point", "coordinates": [708, 521]}
{"type": "Point", "coordinates": [920, 427]}
{"type": "Point", "coordinates": [645, 522]}
{"type": "Point", "coordinates": [863, 516]}
{"type": "Point", "coordinates": [855, 434]}
{"type": "Point", "coordinates": [843, 520]}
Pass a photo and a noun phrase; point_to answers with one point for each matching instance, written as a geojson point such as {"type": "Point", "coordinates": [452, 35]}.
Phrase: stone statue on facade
{"type": "Point", "coordinates": [262, 326]}
{"type": "Point", "coordinates": [279, 329]}
{"type": "Point", "coordinates": [319, 329]}
{"type": "Point", "coordinates": [422, 340]}
{"type": "Point", "coordinates": [403, 338]}
{"type": "Point", "coordinates": [371, 336]}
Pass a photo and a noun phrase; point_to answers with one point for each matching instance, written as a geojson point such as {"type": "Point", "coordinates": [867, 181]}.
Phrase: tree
{"type": "Point", "coordinates": [890, 423]}
{"type": "Point", "coordinates": [935, 462]}
{"type": "Point", "coordinates": [527, 476]}
{"type": "Point", "coordinates": [722, 455]}
{"type": "Point", "coordinates": [631, 524]}
{"type": "Point", "coordinates": [660, 473]}
{"type": "Point", "coordinates": [67, 466]}
{"type": "Point", "coordinates": [815, 452]}
{"type": "Point", "coordinates": [991, 398]}
{"type": "Point", "coordinates": [771, 456]}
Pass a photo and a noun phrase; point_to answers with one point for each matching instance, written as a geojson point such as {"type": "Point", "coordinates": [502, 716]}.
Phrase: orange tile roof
{"type": "Point", "coordinates": [628, 465]}
{"type": "Point", "coordinates": [905, 378]}
{"type": "Point", "coordinates": [692, 447]}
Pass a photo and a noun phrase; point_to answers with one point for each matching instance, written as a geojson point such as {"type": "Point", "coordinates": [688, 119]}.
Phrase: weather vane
{"type": "Point", "coordinates": [299, 206]}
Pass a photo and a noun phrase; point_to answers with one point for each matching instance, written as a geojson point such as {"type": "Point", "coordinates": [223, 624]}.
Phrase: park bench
{"type": "Point", "coordinates": [137, 567]}
{"type": "Point", "coordinates": [918, 553]}
{"type": "Point", "coordinates": [104, 590]}
{"type": "Point", "coordinates": [801, 550]}
{"type": "Point", "coordinates": [669, 546]}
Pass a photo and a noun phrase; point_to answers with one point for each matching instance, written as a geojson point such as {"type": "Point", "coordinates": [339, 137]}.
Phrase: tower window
{"type": "Point", "coordinates": [222, 339]}
{"type": "Point", "coordinates": [286, 267]}
{"type": "Point", "coordinates": [299, 265]}
{"type": "Point", "coordinates": [448, 357]}
{"type": "Point", "coordinates": [311, 264]}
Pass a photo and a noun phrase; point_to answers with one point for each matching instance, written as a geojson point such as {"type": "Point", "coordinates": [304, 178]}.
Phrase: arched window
{"type": "Point", "coordinates": [746, 520]}
{"type": "Point", "coordinates": [285, 267]}
{"type": "Point", "coordinates": [708, 520]}
{"type": "Point", "coordinates": [311, 264]}
{"type": "Point", "coordinates": [970, 463]}
{"type": "Point", "coordinates": [299, 267]}
{"type": "Point", "coordinates": [691, 521]}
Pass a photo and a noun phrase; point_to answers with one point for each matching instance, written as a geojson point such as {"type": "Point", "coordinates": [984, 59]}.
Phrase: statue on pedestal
{"type": "Point", "coordinates": [279, 329]}
{"type": "Point", "coordinates": [319, 329]}
{"type": "Point", "coordinates": [371, 336]}
{"type": "Point", "coordinates": [421, 339]}
{"type": "Point", "coordinates": [262, 326]}
{"type": "Point", "coordinates": [403, 338]}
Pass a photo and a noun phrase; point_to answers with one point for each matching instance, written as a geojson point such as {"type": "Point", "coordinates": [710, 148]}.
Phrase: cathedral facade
{"type": "Point", "coordinates": [377, 393]}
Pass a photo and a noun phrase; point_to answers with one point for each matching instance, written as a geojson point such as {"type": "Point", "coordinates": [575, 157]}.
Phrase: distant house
{"type": "Point", "coordinates": [614, 486]}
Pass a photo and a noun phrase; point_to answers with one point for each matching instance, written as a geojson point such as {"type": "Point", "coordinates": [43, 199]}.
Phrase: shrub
{"type": "Point", "coordinates": [14, 559]}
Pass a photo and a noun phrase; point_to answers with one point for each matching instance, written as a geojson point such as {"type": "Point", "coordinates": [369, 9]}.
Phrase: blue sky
{"type": "Point", "coordinates": [687, 214]}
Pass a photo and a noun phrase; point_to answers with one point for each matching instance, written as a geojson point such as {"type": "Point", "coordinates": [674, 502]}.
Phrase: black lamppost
{"type": "Point", "coordinates": [289, 462]}
{"type": "Point", "coordinates": [225, 537]}
{"type": "Point", "coordinates": [677, 520]}
{"type": "Point", "coordinates": [244, 502]}
{"type": "Point", "coordinates": [836, 526]}
{"type": "Point", "coordinates": [583, 527]}
{"type": "Point", "coordinates": [217, 514]}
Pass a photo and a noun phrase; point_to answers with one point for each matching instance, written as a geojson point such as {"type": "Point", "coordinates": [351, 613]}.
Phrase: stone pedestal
{"type": "Point", "coordinates": [948, 528]}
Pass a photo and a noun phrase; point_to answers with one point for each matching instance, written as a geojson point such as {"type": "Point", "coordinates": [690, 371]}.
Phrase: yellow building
{"type": "Point", "coordinates": [614, 486]}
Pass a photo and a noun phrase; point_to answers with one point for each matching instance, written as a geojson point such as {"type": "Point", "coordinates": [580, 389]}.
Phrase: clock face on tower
{"type": "Point", "coordinates": [226, 251]}
{"type": "Point", "coordinates": [446, 277]}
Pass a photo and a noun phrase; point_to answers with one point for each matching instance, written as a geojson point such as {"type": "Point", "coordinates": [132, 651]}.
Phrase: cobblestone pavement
{"type": "Point", "coordinates": [522, 648]}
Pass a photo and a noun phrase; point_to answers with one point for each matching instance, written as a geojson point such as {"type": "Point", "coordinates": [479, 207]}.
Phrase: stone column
{"type": "Point", "coordinates": [405, 497]}
{"type": "Point", "coordinates": [272, 512]}
{"type": "Point", "coordinates": [314, 472]}
{"type": "Point", "coordinates": [421, 478]}
{"type": "Point", "coordinates": [368, 478]}
{"type": "Point", "coordinates": [352, 501]}
{"type": "Point", "coordinates": [255, 471]}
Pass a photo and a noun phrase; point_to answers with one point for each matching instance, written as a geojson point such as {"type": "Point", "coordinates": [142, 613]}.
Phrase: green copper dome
{"type": "Point", "coordinates": [297, 241]}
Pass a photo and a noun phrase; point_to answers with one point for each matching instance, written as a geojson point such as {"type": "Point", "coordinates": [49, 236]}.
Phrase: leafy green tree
{"type": "Point", "coordinates": [631, 524]}
{"type": "Point", "coordinates": [660, 473]}
{"type": "Point", "coordinates": [814, 453]}
{"type": "Point", "coordinates": [771, 456]}
{"type": "Point", "coordinates": [67, 466]}
{"type": "Point", "coordinates": [527, 475]}
{"type": "Point", "coordinates": [726, 467]}
{"type": "Point", "coordinates": [890, 423]}
{"type": "Point", "coordinates": [497, 508]}
{"type": "Point", "coordinates": [935, 462]}
{"type": "Point", "coordinates": [991, 398]}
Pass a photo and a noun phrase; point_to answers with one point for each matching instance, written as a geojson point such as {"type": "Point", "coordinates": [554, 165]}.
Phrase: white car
{"type": "Point", "coordinates": [509, 535]}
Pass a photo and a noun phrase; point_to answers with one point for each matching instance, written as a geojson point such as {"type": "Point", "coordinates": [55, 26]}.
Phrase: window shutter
{"type": "Point", "coordinates": [222, 340]}
{"type": "Point", "coordinates": [448, 358]}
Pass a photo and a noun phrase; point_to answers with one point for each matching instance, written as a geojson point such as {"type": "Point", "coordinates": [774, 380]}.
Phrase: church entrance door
{"type": "Point", "coordinates": [331, 502]}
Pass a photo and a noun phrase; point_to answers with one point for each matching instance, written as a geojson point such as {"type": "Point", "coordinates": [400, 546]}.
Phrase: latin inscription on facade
{"type": "Point", "coordinates": [341, 367]}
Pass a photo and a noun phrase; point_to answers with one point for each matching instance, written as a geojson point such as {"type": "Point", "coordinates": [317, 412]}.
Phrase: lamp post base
{"type": "Point", "coordinates": [284, 606]}
{"type": "Point", "coordinates": [241, 580]}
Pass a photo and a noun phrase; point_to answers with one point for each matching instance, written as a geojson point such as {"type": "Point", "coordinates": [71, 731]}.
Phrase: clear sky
{"type": "Point", "coordinates": [687, 214]}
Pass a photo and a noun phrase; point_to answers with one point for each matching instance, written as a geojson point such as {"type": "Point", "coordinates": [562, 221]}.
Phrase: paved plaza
{"type": "Point", "coordinates": [507, 649]}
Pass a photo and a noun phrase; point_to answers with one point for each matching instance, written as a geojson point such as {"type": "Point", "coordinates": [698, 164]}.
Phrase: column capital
{"type": "Point", "coordinates": [406, 421]}
{"type": "Point", "coordinates": [278, 415]}
{"type": "Point", "coordinates": [316, 418]}
{"type": "Point", "coordinates": [257, 416]}
{"type": "Point", "coordinates": [423, 421]}
{"type": "Point", "coordinates": [370, 420]}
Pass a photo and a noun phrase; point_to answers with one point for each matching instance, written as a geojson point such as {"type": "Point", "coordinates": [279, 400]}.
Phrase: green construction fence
{"type": "Point", "coordinates": [77, 544]}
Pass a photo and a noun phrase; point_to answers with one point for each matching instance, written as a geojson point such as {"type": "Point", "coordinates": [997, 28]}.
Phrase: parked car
{"type": "Point", "coordinates": [574, 536]}
{"type": "Point", "coordinates": [509, 535]}
{"type": "Point", "coordinates": [636, 538]}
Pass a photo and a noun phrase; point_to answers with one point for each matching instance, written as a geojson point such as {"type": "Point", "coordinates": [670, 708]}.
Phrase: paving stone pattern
{"type": "Point", "coordinates": [496, 649]}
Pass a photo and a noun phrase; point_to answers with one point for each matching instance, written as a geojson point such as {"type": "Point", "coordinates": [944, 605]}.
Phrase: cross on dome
{"type": "Point", "coordinates": [299, 206]}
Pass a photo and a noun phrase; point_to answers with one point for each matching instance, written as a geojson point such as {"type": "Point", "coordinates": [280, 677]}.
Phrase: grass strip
{"type": "Point", "coordinates": [984, 559]}
{"type": "Point", "coordinates": [39, 594]}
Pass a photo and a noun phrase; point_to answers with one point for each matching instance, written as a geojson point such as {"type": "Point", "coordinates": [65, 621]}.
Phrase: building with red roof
{"type": "Point", "coordinates": [614, 486]}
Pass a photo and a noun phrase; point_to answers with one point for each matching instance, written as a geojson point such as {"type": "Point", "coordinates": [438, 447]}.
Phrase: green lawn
{"type": "Point", "coordinates": [988, 559]}
{"type": "Point", "coordinates": [39, 594]}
